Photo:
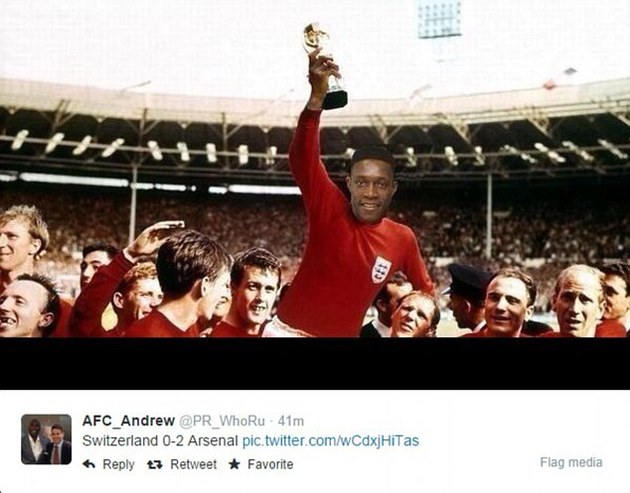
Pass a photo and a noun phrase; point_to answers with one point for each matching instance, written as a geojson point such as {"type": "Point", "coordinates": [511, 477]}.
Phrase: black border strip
{"type": "Point", "coordinates": [431, 364]}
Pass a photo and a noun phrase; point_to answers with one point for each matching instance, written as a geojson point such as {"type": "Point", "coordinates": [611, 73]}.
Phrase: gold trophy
{"type": "Point", "coordinates": [315, 37]}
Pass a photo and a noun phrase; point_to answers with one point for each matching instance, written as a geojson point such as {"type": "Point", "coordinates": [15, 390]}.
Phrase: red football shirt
{"type": "Point", "coordinates": [346, 262]}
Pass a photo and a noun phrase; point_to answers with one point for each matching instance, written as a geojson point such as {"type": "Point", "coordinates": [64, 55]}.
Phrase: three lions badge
{"type": "Point", "coordinates": [380, 269]}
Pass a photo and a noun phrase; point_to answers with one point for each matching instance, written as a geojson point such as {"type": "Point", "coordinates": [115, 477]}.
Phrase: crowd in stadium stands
{"type": "Point", "coordinates": [589, 232]}
{"type": "Point", "coordinates": [540, 237]}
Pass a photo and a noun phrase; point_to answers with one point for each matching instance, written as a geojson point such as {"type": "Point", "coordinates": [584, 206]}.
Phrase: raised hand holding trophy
{"type": "Point", "coordinates": [314, 38]}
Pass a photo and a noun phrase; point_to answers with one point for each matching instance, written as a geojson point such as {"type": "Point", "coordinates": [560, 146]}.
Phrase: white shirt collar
{"type": "Point", "coordinates": [381, 328]}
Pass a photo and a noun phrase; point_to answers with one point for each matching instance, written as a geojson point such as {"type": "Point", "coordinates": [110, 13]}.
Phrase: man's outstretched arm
{"type": "Point", "coordinates": [304, 153]}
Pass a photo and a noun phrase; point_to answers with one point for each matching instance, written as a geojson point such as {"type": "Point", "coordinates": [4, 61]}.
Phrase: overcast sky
{"type": "Point", "coordinates": [249, 48]}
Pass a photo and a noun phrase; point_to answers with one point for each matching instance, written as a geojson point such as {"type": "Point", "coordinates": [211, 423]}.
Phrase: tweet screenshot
{"type": "Point", "coordinates": [314, 441]}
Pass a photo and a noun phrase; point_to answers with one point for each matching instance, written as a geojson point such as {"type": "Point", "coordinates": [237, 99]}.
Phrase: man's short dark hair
{"type": "Point", "coordinates": [111, 250]}
{"type": "Point", "coordinates": [380, 153]}
{"type": "Point", "coordinates": [620, 269]}
{"type": "Point", "coordinates": [526, 279]}
{"type": "Point", "coordinates": [398, 279]}
{"type": "Point", "coordinates": [255, 257]}
{"type": "Point", "coordinates": [53, 303]}
{"type": "Point", "coordinates": [186, 257]}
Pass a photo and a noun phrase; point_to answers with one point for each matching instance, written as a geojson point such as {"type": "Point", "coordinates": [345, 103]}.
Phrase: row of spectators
{"type": "Point", "coordinates": [560, 231]}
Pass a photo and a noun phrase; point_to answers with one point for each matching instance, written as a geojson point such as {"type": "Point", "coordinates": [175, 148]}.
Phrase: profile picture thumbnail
{"type": "Point", "coordinates": [46, 439]}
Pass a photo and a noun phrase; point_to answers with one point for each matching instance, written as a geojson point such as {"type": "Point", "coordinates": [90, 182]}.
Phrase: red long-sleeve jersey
{"type": "Point", "coordinates": [345, 262]}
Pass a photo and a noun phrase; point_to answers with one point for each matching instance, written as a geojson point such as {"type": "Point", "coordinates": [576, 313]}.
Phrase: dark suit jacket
{"type": "Point", "coordinates": [27, 451]}
{"type": "Point", "coordinates": [368, 330]}
{"type": "Point", "coordinates": [535, 329]}
{"type": "Point", "coordinates": [66, 453]}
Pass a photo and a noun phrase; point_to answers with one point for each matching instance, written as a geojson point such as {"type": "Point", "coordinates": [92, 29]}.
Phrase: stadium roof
{"type": "Point", "coordinates": [570, 100]}
{"type": "Point", "coordinates": [572, 129]}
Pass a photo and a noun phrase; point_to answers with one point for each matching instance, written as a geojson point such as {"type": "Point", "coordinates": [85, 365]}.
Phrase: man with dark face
{"type": "Point", "coordinates": [353, 249]}
{"type": "Point", "coordinates": [34, 442]}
